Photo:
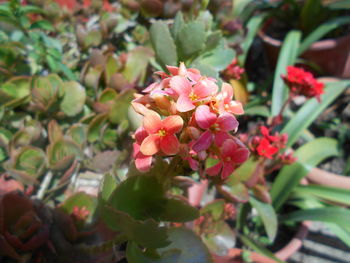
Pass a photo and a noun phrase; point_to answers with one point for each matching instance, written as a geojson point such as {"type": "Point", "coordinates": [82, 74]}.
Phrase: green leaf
{"type": "Point", "coordinates": [178, 24]}
{"type": "Point", "coordinates": [191, 246]}
{"type": "Point", "coordinates": [108, 186]}
{"type": "Point", "coordinates": [336, 215]}
{"type": "Point", "coordinates": [309, 16]}
{"type": "Point", "coordinates": [218, 58]}
{"type": "Point", "coordinates": [308, 156]}
{"type": "Point", "coordinates": [215, 209]}
{"type": "Point", "coordinates": [327, 193]}
{"type": "Point", "coordinates": [213, 40]}
{"type": "Point", "coordinates": [120, 108]}
{"type": "Point", "coordinates": [268, 216]}
{"type": "Point", "coordinates": [258, 248]}
{"type": "Point", "coordinates": [62, 153]}
{"type": "Point", "coordinates": [163, 44]}
{"type": "Point", "coordinates": [343, 233]}
{"type": "Point", "coordinates": [136, 64]}
{"type": "Point", "coordinates": [253, 26]}
{"type": "Point", "coordinates": [287, 56]}
{"type": "Point", "coordinates": [178, 211]}
{"type": "Point", "coordinates": [31, 9]}
{"type": "Point", "coordinates": [141, 197]}
{"type": "Point", "coordinates": [42, 24]}
{"type": "Point", "coordinates": [80, 200]}
{"type": "Point", "coordinates": [31, 160]}
{"type": "Point", "coordinates": [258, 110]}
{"type": "Point", "coordinates": [311, 110]}
{"type": "Point", "coordinates": [321, 31]}
{"type": "Point", "coordinates": [73, 99]}
{"type": "Point", "coordinates": [134, 254]}
{"type": "Point", "coordinates": [145, 233]}
{"type": "Point", "coordinates": [338, 5]}
{"type": "Point", "coordinates": [95, 126]}
{"type": "Point", "coordinates": [191, 39]}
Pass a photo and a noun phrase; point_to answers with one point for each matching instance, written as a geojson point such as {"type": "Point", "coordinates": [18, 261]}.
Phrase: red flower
{"type": "Point", "coordinates": [301, 82]}
{"type": "Point", "coordinates": [266, 149]}
{"type": "Point", "coordinates": [233, 71]}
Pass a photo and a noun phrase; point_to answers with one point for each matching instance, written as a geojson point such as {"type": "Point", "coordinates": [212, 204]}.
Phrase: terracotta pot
{"type": "Point", "coordinates": [321, 177]}
{"type": "Point", "coordinates": [332, 55]}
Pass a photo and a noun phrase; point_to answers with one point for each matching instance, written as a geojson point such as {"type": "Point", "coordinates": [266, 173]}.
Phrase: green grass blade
{"type": "Point", "coordinates": [308, 156]}
{"type": "Point", "coordinates": [247, 241]}
{"type": "Point", "coordinates": [287, 56]}
{"type": "Point", "coordinates": [311, 109]}
{"type": "Point", "coordinates": [321, 31]}
{"type": "Point", "coordinates": [253, 26]}
{"type": "Point", "coordinates": [335, 215]}
{"type": "Point", "coordinates": [325, 192]}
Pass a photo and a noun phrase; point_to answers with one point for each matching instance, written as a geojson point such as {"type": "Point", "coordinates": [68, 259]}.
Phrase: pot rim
{"type": "Point", "coordinates": [318, 45]}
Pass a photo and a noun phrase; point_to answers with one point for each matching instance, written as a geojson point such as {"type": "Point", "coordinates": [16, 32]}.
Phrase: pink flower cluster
{"type": "Point", "coordinates": [233, 71]}
{"type": "Point", "coordinates": [301, 82]}
{"type": "Point", "coordinates": [186, 114]}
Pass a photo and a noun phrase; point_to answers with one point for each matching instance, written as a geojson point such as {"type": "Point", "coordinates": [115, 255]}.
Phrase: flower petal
{"type": "Point", "coordinates": [227, 92]}
{"type": "Point", "coordinates": [173, 124]}
{"type": "Point", "coordinates": [204, 141]}
{"type": "Point", "coordinates": [140, 135]}
{"type": "Point", "coordinates": [214, 170]}
{"type": "Point", "coordinates": [150, 145]}
{"type": "Point", "coordinates": [228, 148]}
{"type": "Point", "coordinates": [170, 145]}
{"type": "Point", "coordinates": [227, 170]}
{"type": "Point", "coordinates": [143, 163]}
{"type": "Point", "coordinates": [152, 122]}
{"type": "Point", "coordinates": [204, 117]}
{"type": "Point", "coordinates": [240, 155]}
{"type": "Point", "coordinates": [220, 137]}
{"type": "Point", "coordinates": [181, 85]}
{"type": "Point", "coordinates": [227, 122]}
{"type": "Point", "coordinates": [184, 104]}
{"type": "Point", "coordinates": [205, 88]}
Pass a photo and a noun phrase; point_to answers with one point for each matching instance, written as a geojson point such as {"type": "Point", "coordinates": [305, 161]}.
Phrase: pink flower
{"type": "Point", "coordinates": [142, 162]}
{"type": "Point", "coordinates": [217, 127]}
{"type": "Point", "coordinates": [190, 96]}
{"type": "Point", "coordinates": [161, 134]}
{"type": "Point", "coordinates": [231, 153]}
{"type": "Point", "coordinates": [225, 102]}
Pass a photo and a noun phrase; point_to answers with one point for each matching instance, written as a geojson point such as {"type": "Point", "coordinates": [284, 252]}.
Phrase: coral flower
{"type": "Point", "coordinates": [216, 127]}
{"type": "Point", "coordinates": [231, 153]}
{"type": "Point", "coordinates": [161, 134]}
{"type": "Point", "coordinates": [225, 102]}
{"type": "Point", "coordinates": [190, 96]}
{"type": "Point", "coordinates": [266, 149]}
{"type": "Point", "coordinates": [142, 162]}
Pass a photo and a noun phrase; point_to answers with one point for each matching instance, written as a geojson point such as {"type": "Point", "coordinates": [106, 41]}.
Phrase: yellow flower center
{"type": "Point", "coordinates": [228, 159]}
{"type": "Point", "coordinates": [193, 96]}
{"type": "Point", "coordinates": [161, 132]}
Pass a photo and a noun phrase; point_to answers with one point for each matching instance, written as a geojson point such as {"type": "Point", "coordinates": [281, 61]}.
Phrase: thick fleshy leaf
{"type": "Point", "coordinates": [268, 216]}
{"type": "Point", "coordinates": [81, 200]}
{"type": "Point", "coordinates": [195, 32]}
{"type": "Point", "coordinates": [163, 44]}
{"type": "Point", "coordinates": [73, 99]}
{"type": "Point", "coordinates": [135, 254]}
{"type": "Point", "coordinates": [146, 233]}
{"type": "Point", "coordinates": [179, 211]}
{"type": "Point", "coordinates": [62, 153]}
{"type": "Point", "coordinates": [191, 246]}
